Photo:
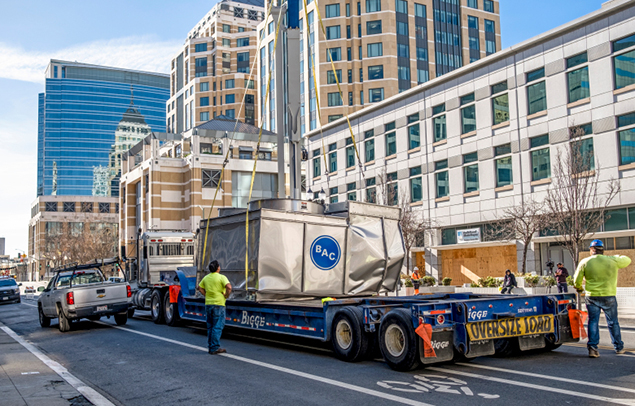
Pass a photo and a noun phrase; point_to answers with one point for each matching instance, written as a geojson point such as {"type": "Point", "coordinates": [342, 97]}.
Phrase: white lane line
{"type": "Point", "coordinates": [538, 387]}
{"type": "Point", "coordinates": [549, 377]}
{"type": "Point", "coordinates": [316, 378]}
{"type": "Point", "coordinates": [89, 393]}
{"type": "Point", "coordinates": [26, 304]}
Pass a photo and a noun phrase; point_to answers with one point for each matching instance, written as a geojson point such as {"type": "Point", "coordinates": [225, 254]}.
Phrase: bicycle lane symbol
{"type": "Point", "coordinates": [426, 383]}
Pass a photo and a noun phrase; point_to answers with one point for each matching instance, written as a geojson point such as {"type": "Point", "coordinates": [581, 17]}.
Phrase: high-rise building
{"type": "Point", "coordinates": [81, 112]}
{"type": "Point", "coordinates": [210, 74]}
{"type": "Point", "coordinates": [383, 47]}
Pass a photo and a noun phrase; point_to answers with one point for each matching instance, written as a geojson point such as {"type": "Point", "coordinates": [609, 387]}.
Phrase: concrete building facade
{"type": "Point", "coordinates": [465, 146]}
{"type": "Point", "coordinates": [210, 75]}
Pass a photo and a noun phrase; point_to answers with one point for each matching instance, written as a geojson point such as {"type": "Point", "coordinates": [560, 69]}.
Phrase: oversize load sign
{"type": "Point", "coordinates": [325, 252]}
{"type": "Point", "coordinates": [510, 327]}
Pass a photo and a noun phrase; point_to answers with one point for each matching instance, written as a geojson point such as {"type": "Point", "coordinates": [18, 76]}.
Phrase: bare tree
{"type": "Point", "coordinates": [387, 193]}
{"type": "Point", "coordinates": [519, 223]}
{"type": "Point", "coordinates": [414, 227]}
{"type": "Point", "coordinates": [574, 203]}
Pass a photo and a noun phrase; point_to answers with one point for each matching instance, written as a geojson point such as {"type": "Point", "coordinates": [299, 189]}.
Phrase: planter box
{"type": "Point", "coordinates": [482, 291]}
{"type": "Point", "coordinates": [410, 291]}
{"type": "Point", "coordinates": [437, 289]}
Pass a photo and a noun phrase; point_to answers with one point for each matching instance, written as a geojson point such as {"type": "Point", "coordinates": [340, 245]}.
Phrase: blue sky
{"type": "Point", "coordinates": [142, 35]}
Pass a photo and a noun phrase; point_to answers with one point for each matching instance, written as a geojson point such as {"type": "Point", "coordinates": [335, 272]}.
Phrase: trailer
{"type": "Point", "coordinates": [322, 273]}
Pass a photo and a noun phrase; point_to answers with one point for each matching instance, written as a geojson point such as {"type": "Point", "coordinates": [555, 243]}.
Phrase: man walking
{"type": "Point", "coordinates": [561, 278]}
{"type": "Point", "coordinates": [600, 273]}
{"type": "Point", "coordinates": [216, 288]}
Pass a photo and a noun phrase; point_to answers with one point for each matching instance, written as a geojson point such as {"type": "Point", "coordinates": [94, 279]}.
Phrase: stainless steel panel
{"type": "Point", "coordinates": [280, 260]}
{"type": "Point", "coordinates": [365, 255]}
{"type": "Point", "coordinates": [396, 252]}
{"type": "Point", "coordinates": [323, 281]}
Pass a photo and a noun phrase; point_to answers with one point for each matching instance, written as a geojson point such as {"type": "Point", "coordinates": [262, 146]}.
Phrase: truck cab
{"type": "Point", "coordinates": [163, 251]}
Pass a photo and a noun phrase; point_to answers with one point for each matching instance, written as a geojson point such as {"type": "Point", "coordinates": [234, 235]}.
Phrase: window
{"type": "Point", "coordinates": [348, 9]}
{"type": "Point", "coordinates": [69, 207]}
{"type": "Point", "coordinates": [472, 3]}
{"type": "Point", "coordinates": [361, 74]}
{"type": "Point", "coordinates": [440, 132]}
{"type": "Point", "coordinates": [226, 28]}
{"type": "Point", "coordinates": [271, 28]}
{"type": "Point", "coordinates": [230, 83]}
{"type": "Point", "coordinates": [624, 43]}
{"type": "Point", "coordinates": [50, 206]}
{"type": "Point", "coordinates": [369, 150]}
{"type": "Point", "coordinates": [334, 99]}
{"type": "Point", "coordinates": [441, 178]}
{"type": "Point", "coordinates": [403, 50]}
{"type": "Point", "coordinates": [333, 158]}
{"type": "Point", "coordinates": [578, 79]}
{"type": "Point", "coordinates": [392, 189]}
{"type": "Point", "coordinates": [375, 95]}
{"type": "Point", "coordinates": [422, 75]}
{"type": "Point", "coordinates": [245, 153]}
{"type": "Point", "coordinates": [241, 29]}
{"type": "Point", "coordinates": [373, 27]}
{"type": "Point", "coordinates": [472, 22]}
{"type": "Point", "coordinates": [371, 191]}
{"type": "Point", "coordinates": [333, 194]}
{"type": "Point", "coordinates": [470, 173]}
{"type": "Point", "coordinates": [540, 160]}
{"type": "Point", "coordinates": [231, 113]}
{"type": "Point", "coordinates": [249, 84]}
{"type": "Point", "coordinates": [627, 139]}
{"type": "Point", "coordinates": [373, 6]}
{"type": "Point", "coordinates": [104, 207]}
{"type": "Point", "coordinates": [503, 165]}
{"type": "Point", "coordinates": [204, 101]}
{"type": "Point", "coordinates": [577, 60]}
{"type": "Point", "coordinates": [624, 64]}
{"type": "Point", "coordinates": [330, 76]}
{"type": "Point", "coordinates": [416, 187]}
{"type": "Point", "coordinates": [413, 136]}
{"type": "Point", "coordinates": [317, 168]}
{"type": "Point", "coordinates": [349, 54]}
{"type": "Point", "coordinates": [335, 54]}
{"type": "Point", "coordinates": [402, 28]}
{"type": "Point", "coordinates": [332, 10]}
{"type": "Point", "coordinates": [391, 143]}
{"type": "Point", "coordinates": [204, 116]}
{"type": "Point", "coordinates": [500, 108]}
{"type": "Point", "coordinates": [420, 10]}
{"type": "Point", "coordinates": [242, 56]}
{"type": "Point", "coordinates": [468, 119]}
{"type": "Point", "coordinates": [361, 97]}
{"type": "Point", "coordinates": [389, 126]}
{"type": "Point", "coordinates": [227, 42]}
{"type": "Point", "coordinates": [200, 67]}
{"type": "Point", "coordinates": [230, 98]}
{"type": "Point", "coordinates": [583, 149]}
{"type": "Point", "coordinates": [359, 8]}
{"type": "Point", "coordinates": [536, 93]}
{"type": "Point", "coordinates": [401, 6]}
{"type": "Point", "coordinates": [351, 194]}
{"type": "Point", "coordinates": [333, 32]}
{"type": "Point", "coordinates": [350, 153]}
{"type": "Point", "coordinates": [376, 72]}
{"type": "Point", "coordinates": [211, 178]}
{"type": "Point", "coordinates": [204, 86]}
{"type": "Point", "coordinates": [488, 5]}
{"type": "Point", "coordinates": [200, 47]}
{"type": "Point", "coordinates": [350, 98]}
{"type": "Point", "coordinates": [242, 42]}
{"type": "Point", "coordinates": [374, 50]}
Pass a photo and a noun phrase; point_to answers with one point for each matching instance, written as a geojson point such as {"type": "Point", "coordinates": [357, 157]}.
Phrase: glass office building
{"type": "Point", "coordinates": [87, 115]}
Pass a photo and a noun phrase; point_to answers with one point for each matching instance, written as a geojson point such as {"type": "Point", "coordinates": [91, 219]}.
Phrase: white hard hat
{"type": "Point", "coordinates": [416, 268]}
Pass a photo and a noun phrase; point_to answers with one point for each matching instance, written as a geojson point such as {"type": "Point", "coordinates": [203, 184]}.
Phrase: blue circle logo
{"type": "Point", "coordinates": [325, 252]}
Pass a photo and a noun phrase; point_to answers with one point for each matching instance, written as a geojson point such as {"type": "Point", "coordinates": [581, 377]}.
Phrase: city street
{"type": "Point", "coordinates": [146, 364]}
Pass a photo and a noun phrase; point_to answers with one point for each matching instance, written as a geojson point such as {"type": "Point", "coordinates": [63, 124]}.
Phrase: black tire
{"type": "Point", "coordinates": [130, 312]}
{"type": "Point", "coordinates": [506, 347]}
{"type": "Point", "coordinates": [64, 324]}
{"type": "Point", "coordinates": [94, 318]}
{"type": "Point", "coordinates": [44, 321]}
{"type": "Point", "coordinates": [171, 311]}
{"type": "Point", "coordinates": [156, 307]}
{"type": "Point", "coordinates": [19, 300]}
{"type": "Point", "coordinates": [398, 341]}
{"type": "Point", "coordinates": [121, 318]}
{"type": "Point", "coordinates": [550, 344]}
{"type": "Point", "coordinates": [350, 342]}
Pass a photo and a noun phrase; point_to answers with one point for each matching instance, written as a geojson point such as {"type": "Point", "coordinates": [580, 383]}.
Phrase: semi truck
{"type": "Point", "coordinates": [323, 272]}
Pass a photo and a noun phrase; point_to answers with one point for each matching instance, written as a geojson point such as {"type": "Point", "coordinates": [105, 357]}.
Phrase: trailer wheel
{"type": "Point", "coordinates": [398, 341]}
{"type": "Point", "coordinates": [121, 318]}
{"type": "Point", "coordinates": [505, 347]}
{"type": "Point", "coordinates": [550, 341]}
{"type": "Point", "coordinates": [64, 324]}
{"type": "Point", "coordinates": [156, 307]}
{"type": "Point", "coordinates": [171, 311]}
{"type": "Point", "coordinates": [350, 342]}
{"type": "Point", "coordinates": [44, 321]}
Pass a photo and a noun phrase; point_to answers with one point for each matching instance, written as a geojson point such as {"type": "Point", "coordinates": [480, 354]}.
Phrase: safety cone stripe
{"type": "Point", "coordinates": [291, 326]}
{"type": "Point", "coordinates": [194, 314]}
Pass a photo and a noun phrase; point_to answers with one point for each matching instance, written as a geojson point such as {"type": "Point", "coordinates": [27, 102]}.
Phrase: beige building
{"type": "Point", "coordinates": [209, 76]}
{"type": "Point", "coordinates": [53, 218]}
{"type": "Point", "coordinates": [169, 181]}
{"type": "Point", "coordinates": [383, 47]}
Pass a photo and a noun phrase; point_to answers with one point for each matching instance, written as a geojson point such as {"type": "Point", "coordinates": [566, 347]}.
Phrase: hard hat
{"type": "Point", "coordinates": [416, 268]}
{"type": "Point", "coordinates": [596, 243]}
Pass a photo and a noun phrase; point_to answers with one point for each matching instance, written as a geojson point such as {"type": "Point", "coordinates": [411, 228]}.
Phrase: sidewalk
{"type": "Point", "coordinates": [25, 380]}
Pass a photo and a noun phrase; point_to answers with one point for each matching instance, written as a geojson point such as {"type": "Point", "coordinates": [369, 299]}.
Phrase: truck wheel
{"type": "Point", "coordinates": [171, 311]}
{"type": "Point", "coordinates": [121, 318]}
{"type": "Point", "coordinates": [64, 324]}
{"type": "Point", "coordinates": [550, 340]}
{"type": "Point", "coordinates": [44, 321]}
{"type": "Point", "coordinates": [505, 347]}
{"type": "Point", "coordinates": [350, 342]}
{"type": "Point", "coordinates": [156, 307]}
{"type": "Point", "coordinates": [398, 341]}
{"type": "Point", "coordinates": [130, 312]}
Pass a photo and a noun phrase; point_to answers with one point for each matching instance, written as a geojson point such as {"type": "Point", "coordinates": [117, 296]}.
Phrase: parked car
{"type": "Point", "coordinates": [9, 290]}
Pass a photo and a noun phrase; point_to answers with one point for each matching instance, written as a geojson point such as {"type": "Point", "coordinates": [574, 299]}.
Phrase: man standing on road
{"type": "Point", "coordinates": [561, 278]}
{"type": "Point", "coordinates": [216, 288]}
{"type": "Point", "coordinates": [600, 273]}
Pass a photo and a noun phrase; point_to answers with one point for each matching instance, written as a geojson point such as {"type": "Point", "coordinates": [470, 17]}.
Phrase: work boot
{"type": "Point", "coordinates": [622, 351]}
{"type": "Point", "coordinates": [593, 352]}
{"type": "Point", "coordinates": [218, 351]}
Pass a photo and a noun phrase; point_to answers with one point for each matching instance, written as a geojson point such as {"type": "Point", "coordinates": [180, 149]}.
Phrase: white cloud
{"type": "Point", "coordinates": [139, 53]}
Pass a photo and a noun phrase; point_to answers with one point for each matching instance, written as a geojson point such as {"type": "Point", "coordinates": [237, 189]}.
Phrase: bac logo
{"type": "Point", "coordinates": [325, 252]}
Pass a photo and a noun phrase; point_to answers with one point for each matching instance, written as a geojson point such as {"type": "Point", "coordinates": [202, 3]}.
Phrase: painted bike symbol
{"type": "Point", "coordinates": [434, 383]}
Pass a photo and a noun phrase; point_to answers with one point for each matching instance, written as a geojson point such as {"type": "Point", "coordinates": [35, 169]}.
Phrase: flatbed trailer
{"type": "Point", "coordinates": [457, 326]}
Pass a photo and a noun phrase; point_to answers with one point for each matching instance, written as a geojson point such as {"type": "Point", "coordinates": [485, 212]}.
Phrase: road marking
{"type": "Point", "coordinates": [312, 377]}
{"type": "Point", "coordinates": [30, 305]}
{"type": "Point", "coordinates": [549, 377]}
{"type": "Point", "coordinates": [89, 393]}
{"type": "Point", "coordinates": [538, 387]}
{"type": "Point", "coordinates": [602, 347]}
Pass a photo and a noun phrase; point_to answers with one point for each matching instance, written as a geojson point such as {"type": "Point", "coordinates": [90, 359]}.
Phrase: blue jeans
{"type": "Point", "coordinates": [562, 287]}
{"type": "Point", "coordinates": [594, 305]}
{"type": "Point", "coordinates": [215, 323]}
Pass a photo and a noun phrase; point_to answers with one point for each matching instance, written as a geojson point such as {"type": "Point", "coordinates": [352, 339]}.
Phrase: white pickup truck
{"type": "Point", "coordinates": [83, 292]}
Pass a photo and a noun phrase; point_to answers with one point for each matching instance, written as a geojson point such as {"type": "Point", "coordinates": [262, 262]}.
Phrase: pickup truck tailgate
{"type": "Point", "coordinates": [100, 294]}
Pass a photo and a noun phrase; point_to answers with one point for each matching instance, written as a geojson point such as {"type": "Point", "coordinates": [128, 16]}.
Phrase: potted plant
{"type": "Point", "coordinates": [446, 281]}
{"type": "Point", "coordinates": [410, 289]}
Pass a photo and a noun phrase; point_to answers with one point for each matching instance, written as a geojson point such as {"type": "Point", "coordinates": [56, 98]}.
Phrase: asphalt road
{"type": "Point", "coordinates": [147, 364]}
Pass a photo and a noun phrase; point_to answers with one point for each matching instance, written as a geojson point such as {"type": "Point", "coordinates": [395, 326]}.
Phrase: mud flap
{"type": "Point", "coordinates": [565, 334]}
{"type": "Point", "coordinates": [526, 343]}
{"type": "Point", "coordinates": [443, 344]}
{"type": "Point", "coordinates": [480, 348]}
